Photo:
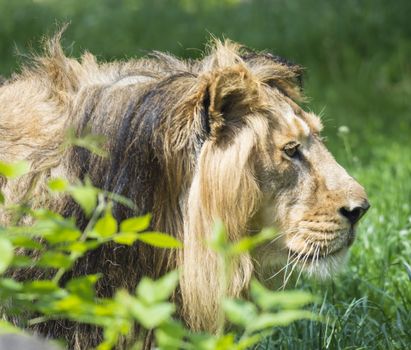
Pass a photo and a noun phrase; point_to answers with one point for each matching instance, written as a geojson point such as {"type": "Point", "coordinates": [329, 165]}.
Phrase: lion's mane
{"type": "Point", "coordinates": [162, 118]}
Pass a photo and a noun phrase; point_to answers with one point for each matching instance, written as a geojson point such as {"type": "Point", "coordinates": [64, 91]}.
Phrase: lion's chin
{"type": "Point", "coordinates": [279, 271]}
{"type": "Point", "coordinates": [321, 265]}
{"type": "Point", "coordinates": [326, 267]}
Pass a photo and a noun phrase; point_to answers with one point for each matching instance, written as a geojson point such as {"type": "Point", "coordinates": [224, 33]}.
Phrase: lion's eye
{"type": "Point", "coordinates": [292, 149]}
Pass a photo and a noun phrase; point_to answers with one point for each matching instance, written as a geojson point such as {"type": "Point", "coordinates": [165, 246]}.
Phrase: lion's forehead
{"type": "Point", "coordinates": [294, 125]}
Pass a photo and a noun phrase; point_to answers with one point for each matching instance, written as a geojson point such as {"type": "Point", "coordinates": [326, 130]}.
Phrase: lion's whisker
{"type": "Point", "coordinates": [275, 239]}
{"type": "Point", "coordinates": [287, 264]}
{"type": "Point", "coordinates": [292, 269]}
{"type": "Point", "coordinates": [317, 257]}
{"type": "Point", "coordinates": [282, 269]}
{"type": "Point", "coordinates": [302, 268]}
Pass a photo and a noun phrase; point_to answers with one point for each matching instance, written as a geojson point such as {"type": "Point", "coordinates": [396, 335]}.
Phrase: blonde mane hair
{"type": "Point", "coordinates": [179, 147]}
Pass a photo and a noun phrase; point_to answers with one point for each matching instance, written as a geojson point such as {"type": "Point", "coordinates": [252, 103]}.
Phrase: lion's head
{"type": "Point", "coordinates": [307, 196]}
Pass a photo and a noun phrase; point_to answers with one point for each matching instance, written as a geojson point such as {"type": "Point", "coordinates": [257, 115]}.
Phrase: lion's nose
{"type": "Point", "coordinates": [355, 214]}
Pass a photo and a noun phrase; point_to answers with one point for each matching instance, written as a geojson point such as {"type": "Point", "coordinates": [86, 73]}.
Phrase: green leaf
{"type": "Point", "coordinates": [244, 245]}
{"type": "Point", "coordinates": [248, 243]}
{"type": "Point", "coordinates": [15, 170]}
{"type": "Point", "coordinates": [1, 198]}
{"type": "Point", "coordinates": [110, 307]}
{"type": "Point", "coordinates": [83, 286]}
{"type": "Point", "coordinates": [41, 287]}
{"type": "Point", "coordinates": [219, 238]}
{"type": "Point", "coordinates": [8, 328]}
{"type": "Point", "coordinates": [10, 285]}
{"type": "Point", "coordinates": [86, 196]}
{"type": "Point", "coordinates": [6, 254]}
{"type": "Point", "coordinates": [170, 335]}
{"type": "Point", "coordinates": [92, 142]}
{"type": "Point", "coordinates": [151, 292]}
{"type": "Point", "coordinates": [127, 238]}
{"type": "Point", "coordinates": [226, 342]}
{"type": "Point", "coordinates": [55, 260]}
{"type": "Point", "coordinates": [63, 235]}
{"type": "Point", "coordinates": [239, 312]}
{"type": "Point", "coordinates": [136, 224]}
{"type": "Point", "coordinates": [106, 226]}
{"type": "Point", "coordinates": [282, 318]}
{"type": "Point", "coordinates": [151, 316]}
{"type": "Point", "coordinates": [203, 341]}
{"type": "Point", "coordinates": [56, 229]}
{"type": "Point", "coordinates": [22, 261]}
{"type": "Point", "coordinates": [117, 327]}
{"type": "Point", "coordinates": [267, 299]}
{"type": "Point", "coordinates": [120, 199]}
{"type": "Point", "coordinates": [58, 185]}
{"type": "Point", "coordinates": [45, 214]}
{"type": "Point", "coordinates": [160, 240]}
{"type": "Point", "coordinates": [80, 247]}
{"type": "Point", "coordinates": [71, 303]}
{"type": "Point", "coordinates": [25, 242]}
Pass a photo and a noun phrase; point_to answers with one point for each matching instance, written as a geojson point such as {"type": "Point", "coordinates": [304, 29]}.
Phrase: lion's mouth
{"type": "Point", "coordinates": [315, 256]}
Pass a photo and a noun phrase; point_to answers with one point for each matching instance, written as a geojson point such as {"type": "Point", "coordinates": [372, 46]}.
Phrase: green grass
{"type": "Point", "coordinates": [358, 74]}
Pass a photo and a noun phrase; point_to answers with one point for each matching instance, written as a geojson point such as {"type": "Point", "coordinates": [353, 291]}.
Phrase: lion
{"type": "Point", "coordinates": [190, 141]}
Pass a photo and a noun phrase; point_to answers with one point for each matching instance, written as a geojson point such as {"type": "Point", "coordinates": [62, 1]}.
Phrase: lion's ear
{"type": "Point", "coordinates": [231, 93]}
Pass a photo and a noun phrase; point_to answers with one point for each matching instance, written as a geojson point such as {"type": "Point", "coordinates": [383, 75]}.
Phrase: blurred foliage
{"type": "Point", "coordinates": [55, 243]}
{"type": "Point", "coordinates": [327, 34]}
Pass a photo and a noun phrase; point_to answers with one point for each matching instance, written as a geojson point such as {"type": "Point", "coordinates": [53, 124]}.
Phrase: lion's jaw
{"type": "Point", "coordinates": [312, 202]}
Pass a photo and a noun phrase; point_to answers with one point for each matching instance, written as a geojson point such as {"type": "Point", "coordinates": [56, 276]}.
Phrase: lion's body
{"type": "Point", "coordinates": [176, 148]}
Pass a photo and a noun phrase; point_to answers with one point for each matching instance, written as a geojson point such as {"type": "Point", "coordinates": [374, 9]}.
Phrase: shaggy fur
{"type": "Point", "coordinates": [190, 142]}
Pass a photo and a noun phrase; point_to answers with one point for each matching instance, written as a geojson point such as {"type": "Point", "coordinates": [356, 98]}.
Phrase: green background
{"type": "Point", "coordinates": [356, 56]}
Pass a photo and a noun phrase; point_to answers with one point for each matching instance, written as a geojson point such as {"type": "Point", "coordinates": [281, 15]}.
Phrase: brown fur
{"type": "Point", "coordinates": [190, 142]}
